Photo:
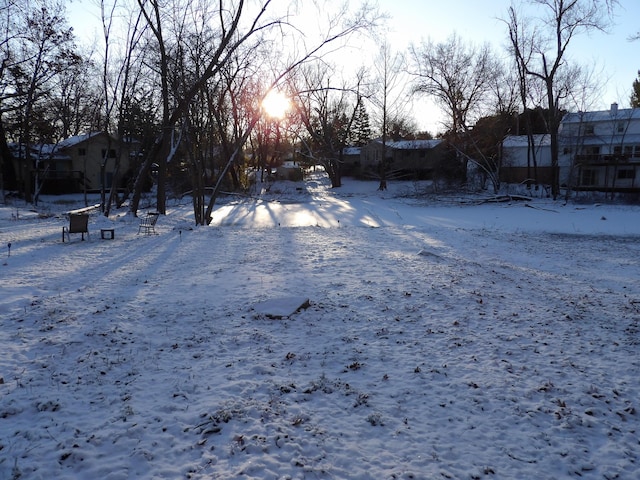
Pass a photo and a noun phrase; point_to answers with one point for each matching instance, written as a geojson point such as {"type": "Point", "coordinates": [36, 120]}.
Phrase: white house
{"type": "Point", "coordinates": [598, 150]}
{"type": "Point", "coordinates": [523, 160]}
{"type": "Point", "coordinates": [604, 147]}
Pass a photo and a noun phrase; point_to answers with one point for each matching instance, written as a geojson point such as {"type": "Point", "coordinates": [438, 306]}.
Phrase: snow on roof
{"type": "Point", "coordinates": [351, 150]}
{"type": "Point", "coordinates": [76, 139]}
{"type": "Point", "coordinates": [49, 148]}
{"type": "Point", "coordinates": [619, 114]}
{"type": "Point", "coordinates": [289, 164]}
{"type": "Point", "coordinates": [415, 144]}
{"type": "Point", "coordinates": [40, 151]}
{"type": "Point", "coordinates": [412, 144]}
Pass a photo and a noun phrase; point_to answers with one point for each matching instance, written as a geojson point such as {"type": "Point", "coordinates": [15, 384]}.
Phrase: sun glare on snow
{"type": "Point", "coordinates": [275, 104]}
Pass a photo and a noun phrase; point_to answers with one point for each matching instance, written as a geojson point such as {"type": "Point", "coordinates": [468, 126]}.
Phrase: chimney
{"type": "Point", "coordinates": [614, 109]}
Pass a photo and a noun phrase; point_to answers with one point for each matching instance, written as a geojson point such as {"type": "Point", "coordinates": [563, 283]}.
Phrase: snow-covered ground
{"type": "Point", "coordinates": [442, 340]}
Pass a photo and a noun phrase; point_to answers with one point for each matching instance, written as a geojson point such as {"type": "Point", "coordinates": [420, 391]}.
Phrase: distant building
{"type": "Point", "coordinates": [604, 147]}
{"type": "Point", "coordinates": [417, 159]}
{"type": "Point", "coordinates": [598, 151]}
{"type": "Point", "coordinates": [289, 170]}
{"type": "Point", "coordinates": [351, 161]}
{"type": "Point", "coordinates": [523, 161]}
{"type": "Point", "coordinates": [74, 163]}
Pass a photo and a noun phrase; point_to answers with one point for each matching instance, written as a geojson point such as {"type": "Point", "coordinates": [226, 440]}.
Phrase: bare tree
{"type": "Point", "coordinates": [327, 112]}
{"type": "Point", "coordinates": [522, 49]}
{"type": "Point", "coordinates": [389, 98]}
{"type": "Point", "coordinates": [163, 148]}
{"type": "Point", "coordinates": [75, 99]}
{"type": "Point", "coordinates": [340, 27]}
{"type": "Point", "coordinates": [216, 117]}
{"type": "Point", "coordinates": [559, 21]}
{"type": "Point", "coordinates": [8, 32]}
{"type": "Point", "coordinates": [121, 74]}
{"type": "Point", "coordinates": [238, 26]}
{"type": "Point", "coordinates": [465, 81]}
{"type": "Point", "coordinates": [39, 46]}
{"type": "Point", "coordinates": [242, 86]}
{"type": "Point", "coordinates": [458, 75]}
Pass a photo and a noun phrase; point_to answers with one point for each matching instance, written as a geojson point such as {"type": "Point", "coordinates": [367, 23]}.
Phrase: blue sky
{"type": "Point", "coordinates": [478, 21]}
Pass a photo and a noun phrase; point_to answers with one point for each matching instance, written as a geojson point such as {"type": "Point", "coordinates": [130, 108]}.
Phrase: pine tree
{"type": "Point", "coordinates": [635, 95]}
{"type": "Point", "coordinates": [361, 130]}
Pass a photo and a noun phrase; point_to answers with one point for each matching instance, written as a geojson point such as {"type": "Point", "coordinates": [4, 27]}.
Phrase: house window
{"type": "Point", "coordinates": [620, 127]}
{"type": "Point", "coordinates": [637, 151]}
{"type": "Point", "coordinates": [626, 174]}
{"type": "Point", "coordinates": [592, 152]}
{"type": "Point", "coordinates": [622, 153]}
{"type": "Point", "coordinates": [112, 153]}
{"type": "Point", "coordinates": [589, 178]}
{"type": "Point", "coordinates": [589, 129]}
{"type": "Point", "coordinates": [82, 152]}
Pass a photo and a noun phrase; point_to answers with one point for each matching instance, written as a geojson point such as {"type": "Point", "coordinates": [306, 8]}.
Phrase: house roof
{"type": "Point", "coordinates": [613, 114]}
{"type": "Point", "coordinates": [76, 139]}
{"type": "Point", "coordinates": [412, 144]}
{"type": "Point", "coordinates": [351, 150]}
{"type": "Point", "coordinates": [56, 151]}
{"type": "Point", "coordinates": [39, 151]}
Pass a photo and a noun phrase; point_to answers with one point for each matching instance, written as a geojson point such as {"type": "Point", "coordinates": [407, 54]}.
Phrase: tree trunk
{"type": "Point", "coordinates": [8, 175]}
{"type": "Point", "coordinates": [554, 126]}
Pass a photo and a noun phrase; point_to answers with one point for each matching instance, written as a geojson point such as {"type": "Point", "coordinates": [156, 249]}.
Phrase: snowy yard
{"type": "Point", "coordinates": [441, 341]}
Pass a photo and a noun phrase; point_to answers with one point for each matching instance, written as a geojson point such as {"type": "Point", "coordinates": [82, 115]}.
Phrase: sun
{"type": "Point", "coordinates": [276, 104]}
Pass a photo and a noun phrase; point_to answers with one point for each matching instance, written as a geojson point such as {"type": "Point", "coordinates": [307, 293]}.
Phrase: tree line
{"type": "Point", "coordinates": [187, 78]}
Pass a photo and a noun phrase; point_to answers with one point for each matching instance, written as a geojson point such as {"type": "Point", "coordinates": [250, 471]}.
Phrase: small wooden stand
{"type": "Point", "coordinates": [107, 231]}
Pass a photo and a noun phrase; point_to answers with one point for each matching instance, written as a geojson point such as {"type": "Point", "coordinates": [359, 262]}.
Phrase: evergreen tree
{"type": "Point", "coordinates": [360, 133]}
{"type": "Point", "coordinates": [635, 95]}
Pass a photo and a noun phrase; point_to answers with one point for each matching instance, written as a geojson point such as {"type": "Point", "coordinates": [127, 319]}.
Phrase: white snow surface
{"type": "Point", "coordinates": [444, 339]}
